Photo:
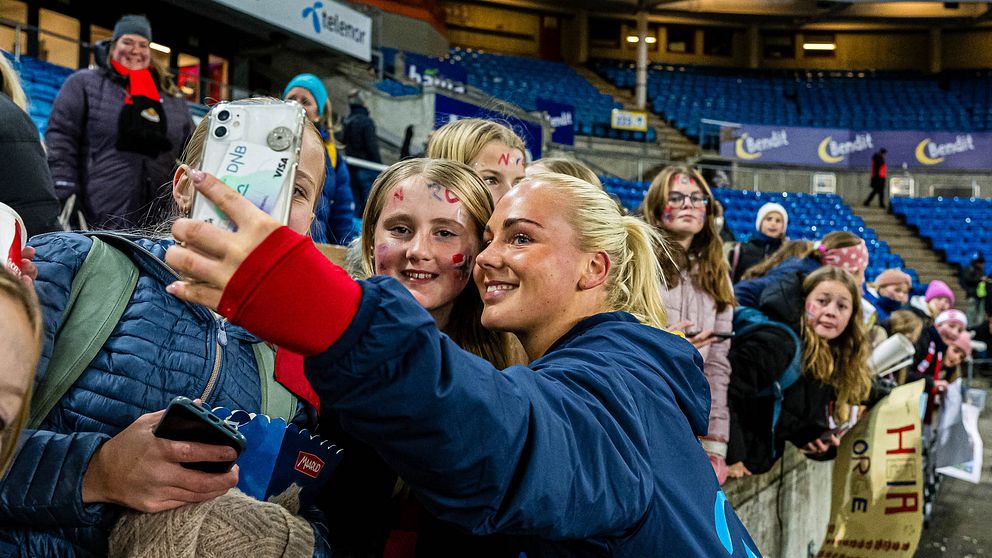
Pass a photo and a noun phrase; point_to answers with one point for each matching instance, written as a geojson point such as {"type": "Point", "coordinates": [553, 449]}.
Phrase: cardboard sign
{"type": "Point", "coordinates": [877, 504]}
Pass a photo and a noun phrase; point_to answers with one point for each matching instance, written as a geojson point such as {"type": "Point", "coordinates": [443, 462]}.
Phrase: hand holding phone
{"type": "Point", "coordinates": [187, 421]}
{"type": "Point", "coordinates": [254, 148]}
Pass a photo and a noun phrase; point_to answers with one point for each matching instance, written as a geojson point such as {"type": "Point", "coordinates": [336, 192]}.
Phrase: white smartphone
{"type": "Point", "coordinates": [254, 148]}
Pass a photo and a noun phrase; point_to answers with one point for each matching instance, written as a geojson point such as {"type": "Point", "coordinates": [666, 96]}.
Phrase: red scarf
{"type": "Point", "coordinates": [139, 83]}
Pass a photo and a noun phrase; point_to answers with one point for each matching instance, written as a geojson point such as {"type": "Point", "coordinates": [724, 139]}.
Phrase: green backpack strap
{"type": "Point", "coordinates": [277, 401]}
{"type": "Point", "coordinates": [100, 292]}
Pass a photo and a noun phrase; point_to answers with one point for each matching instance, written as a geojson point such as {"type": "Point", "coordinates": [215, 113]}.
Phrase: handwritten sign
{"type": "Point", "coordinates": [878, 482]}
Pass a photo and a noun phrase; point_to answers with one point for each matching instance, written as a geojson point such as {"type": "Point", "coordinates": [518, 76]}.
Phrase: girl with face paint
{"type": "Point", "coordinates": [823, 311]}
{"type": "Point", "coordinates": [698, 295]}
{"type": "Point", "coordinates": [932, 347]}
{"type": "Point", "coordinates": [494, 152]}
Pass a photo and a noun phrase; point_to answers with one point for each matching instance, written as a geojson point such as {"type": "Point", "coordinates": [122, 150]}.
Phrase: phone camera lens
{"type": "Point", "coordinates": [220, 132]}
{"type": "Point", "coordinates": [223, 115]}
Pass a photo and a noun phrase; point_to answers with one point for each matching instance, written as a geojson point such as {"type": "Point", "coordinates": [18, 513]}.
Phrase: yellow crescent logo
{"type": "Point", "coordinates": [921, 154]}
{"type": "Point", "coordinates": [739, 149]}
{"type": "Point", "coordinates": [822, 151]}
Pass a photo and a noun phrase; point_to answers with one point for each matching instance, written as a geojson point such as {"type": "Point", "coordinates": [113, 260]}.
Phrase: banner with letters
{"type": "Point", "coordinates": [562, 119]}
{"type": "Point", "coordinates": [435, 72]}
{"type": "Point", "coordinates": [447, 110]}
{"type": "Point", "coordinates": [877, 504]}
{"type": "Point", "coordinates": [324, 21]}
{"type": "Point", "coordinates": [843, 148]}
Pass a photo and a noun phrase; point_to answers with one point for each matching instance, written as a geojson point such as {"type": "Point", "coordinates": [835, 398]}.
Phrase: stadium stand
{"type": "Point", "coordinates": [521, 81]}
{"type": "Point", "coordinates": [960, 232]}
{"type": "Point", "coordinates": [685, 94]}
{"type": "Point", "coordinates": [810, 217]}
{"type": "Point", "coordinates": [41, 82]}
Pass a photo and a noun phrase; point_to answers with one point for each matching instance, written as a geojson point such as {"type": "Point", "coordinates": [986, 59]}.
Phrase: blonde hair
{"type": "Point", "coordinates": [24, 297]}
{"type": "Point", "coordinates": [466, 326]}
{"type": "Point", "coordinates": [704, 258]}
{"type": "Point", "coordinates": [463, 140]}
{"type": "Point", "coordinates": [600, 225]}
{"type": "Point", "coordinates": [571, 167]}
{"type": "Point", "coordinates": [803, 249]}
{"type": "Point", "coordinates": [841, 362]}
{"type": "Point", "coordinates": [907, 323]}
{"type": "Point", "coordinates": [12, 84]}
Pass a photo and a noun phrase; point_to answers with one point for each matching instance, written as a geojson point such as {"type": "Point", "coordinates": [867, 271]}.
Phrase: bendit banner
{"type": "Point", "coordinates": [447, 110]}
{"type": "Point", "coordinates": [562, 119]}
{"type": "Point", "coordinates": [841, 148]}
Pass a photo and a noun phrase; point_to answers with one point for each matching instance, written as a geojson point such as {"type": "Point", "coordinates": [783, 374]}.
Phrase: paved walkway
{"type": "Point", "coordinates": [962, 519]}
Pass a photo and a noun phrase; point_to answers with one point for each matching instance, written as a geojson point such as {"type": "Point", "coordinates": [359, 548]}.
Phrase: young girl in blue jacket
{"type": "Point", "coordinates": [94, 455]}
{"type": "Point", "coordinates": [590, 450]}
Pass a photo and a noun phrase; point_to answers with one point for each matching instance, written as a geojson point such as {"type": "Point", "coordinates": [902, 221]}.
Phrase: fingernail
{"type": "Point", "coordinates": [196, 175]}
{"type": "Point", "coordinates": [172, 288]}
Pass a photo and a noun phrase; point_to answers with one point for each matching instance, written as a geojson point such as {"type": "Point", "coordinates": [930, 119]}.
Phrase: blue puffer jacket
{"type": "Point", "coordinates": [161, 348]}
{"type": "Point", "coordinates": [589, 451]}
{"type": "Point", "coordinates": [748, 292]}
{"type": "Point", "coordinates": [334, 216]}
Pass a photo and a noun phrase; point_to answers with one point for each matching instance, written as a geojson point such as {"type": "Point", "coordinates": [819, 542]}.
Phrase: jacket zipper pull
{"type": "Point", "coordinates": [221, 333]}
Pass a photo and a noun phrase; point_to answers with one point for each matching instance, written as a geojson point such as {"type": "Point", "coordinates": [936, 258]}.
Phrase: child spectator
{"type": "Point", "coordinates": [932, 346]}
{"type": "Point", "coordinates": [492, 150]}
{"type": "Point", "coordinates": [20, 345]}
{"type": "Point", "coordinates": [938, 297]}
{"type": "Point", "coordinates": [957, 354]}
{"type": "Point", "coordinates": [771, 226]}
{"type": "Point", "coordinates": [890, 292]}
{"type": "Point", "coordinates": [699, 296]}
{"type": "Point", "coordinates": [822, 310]}
{"type": "Point", "coordinates": [840, 249]}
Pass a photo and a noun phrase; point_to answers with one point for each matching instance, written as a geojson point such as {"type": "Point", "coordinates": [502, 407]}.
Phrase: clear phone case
{"type": "Point", "coordinates": [254, 148]}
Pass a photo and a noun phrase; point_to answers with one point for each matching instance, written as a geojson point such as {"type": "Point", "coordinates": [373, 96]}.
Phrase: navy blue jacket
{"type": "Point", "coordinates": [589, 451]}
{"type": "Point", "coordinates": [748, 292]}
{"type": "Point", "coordinates": [335, 213]}
{"type": "Point", "coordinates": [161, 348]}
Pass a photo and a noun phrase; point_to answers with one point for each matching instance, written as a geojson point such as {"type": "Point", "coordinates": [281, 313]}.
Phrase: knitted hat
{"type": "Point", "coordinates": [133, 25]}
{"type": "Point", "coordinates": [312, 84]}
{"type": "Point", "coordinates": [963, 342]}
{"type": "Point", "coordinates": [938, 288]}
{"type": "Point", "coordinates": [769, 208]}
{"type": "Point", "coordinates": [951, 315]}
{"type": "Point", "coordinates": [893, 277]}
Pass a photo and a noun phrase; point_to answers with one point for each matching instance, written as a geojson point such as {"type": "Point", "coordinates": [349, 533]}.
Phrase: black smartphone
{"type": "Point", "coordinates": [186, 421]}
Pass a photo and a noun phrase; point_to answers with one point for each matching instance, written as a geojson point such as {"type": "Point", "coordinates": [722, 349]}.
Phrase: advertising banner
{"type": "Point", "coordinates": [633, 120]}
{"type": "Point", "coordinates": [447, 110]}
{"type": "Point", "coordinates": [841, 148]}
{"type": "Point", "coordinates": [326, 22]}
{"type": "Point", "coordinates": [877, 504]}
{"type": "Point", "coordinates": [433, 72]}
{"type": "Point", "coordinates": [562, 119]}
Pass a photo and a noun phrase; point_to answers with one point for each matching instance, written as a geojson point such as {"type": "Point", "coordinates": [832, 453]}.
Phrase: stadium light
{"type": "Point", "coordinates": [160, 48]}
{"type": "Point", "coordinates": [819, 46]}
{"type": "Point", "coordinates": [649, 39]}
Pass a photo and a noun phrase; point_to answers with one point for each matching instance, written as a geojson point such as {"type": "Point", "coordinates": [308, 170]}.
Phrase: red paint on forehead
{"type": "Point", "coordinates": [398, 194]}
{"type": "Point", "coordinates": [450, 196]}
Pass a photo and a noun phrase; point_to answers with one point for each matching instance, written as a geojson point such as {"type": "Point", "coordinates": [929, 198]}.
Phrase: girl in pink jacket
{"type": "Point", "coordinates": [698, 292]}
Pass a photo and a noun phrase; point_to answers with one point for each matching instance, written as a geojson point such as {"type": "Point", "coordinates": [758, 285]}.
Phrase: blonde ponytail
{"type": "Point", "coordinates": [600, 225]}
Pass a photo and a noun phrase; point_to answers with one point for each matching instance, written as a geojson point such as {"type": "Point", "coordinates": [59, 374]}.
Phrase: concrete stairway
{"type": "Point", "coordinates": [670, 139]}
{"type": "Point", "coordinates": [903, 241]}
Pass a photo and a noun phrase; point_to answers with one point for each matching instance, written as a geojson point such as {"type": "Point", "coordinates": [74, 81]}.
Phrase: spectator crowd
{"type": "Point", "coordinates": [509, 360]}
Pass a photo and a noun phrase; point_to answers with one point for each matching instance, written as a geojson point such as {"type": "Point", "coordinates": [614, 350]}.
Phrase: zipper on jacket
{"type": "Point", "coordinates": [218, 355]}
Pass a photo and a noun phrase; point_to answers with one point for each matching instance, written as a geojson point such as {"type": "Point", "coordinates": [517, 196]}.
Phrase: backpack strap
{"type": "Point", "coordinates": [100, 292]}
{"type": "Point", "coordinates": [277, 401]}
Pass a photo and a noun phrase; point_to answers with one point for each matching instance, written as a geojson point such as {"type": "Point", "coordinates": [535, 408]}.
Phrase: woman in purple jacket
{"type": "Point", "coordinates": [115, 133]}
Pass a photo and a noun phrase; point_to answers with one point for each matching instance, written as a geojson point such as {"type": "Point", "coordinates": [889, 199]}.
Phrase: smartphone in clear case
{"type": "Point", "coordinates": [254, 148]}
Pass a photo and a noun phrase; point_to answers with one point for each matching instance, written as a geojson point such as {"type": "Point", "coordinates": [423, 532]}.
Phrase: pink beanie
{"type": "Point", "coordinates": [963, 342]}
{"type": "Point", "coordinates": [951, 315]}
{"type": "Point", "coordinates": [893, 277]}
{"type": "Point", "coordinates": [938, 288]}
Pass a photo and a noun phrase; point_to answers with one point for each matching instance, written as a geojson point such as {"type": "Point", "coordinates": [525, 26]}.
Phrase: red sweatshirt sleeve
{"type": "Point", "coordinates": [288, 293]}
